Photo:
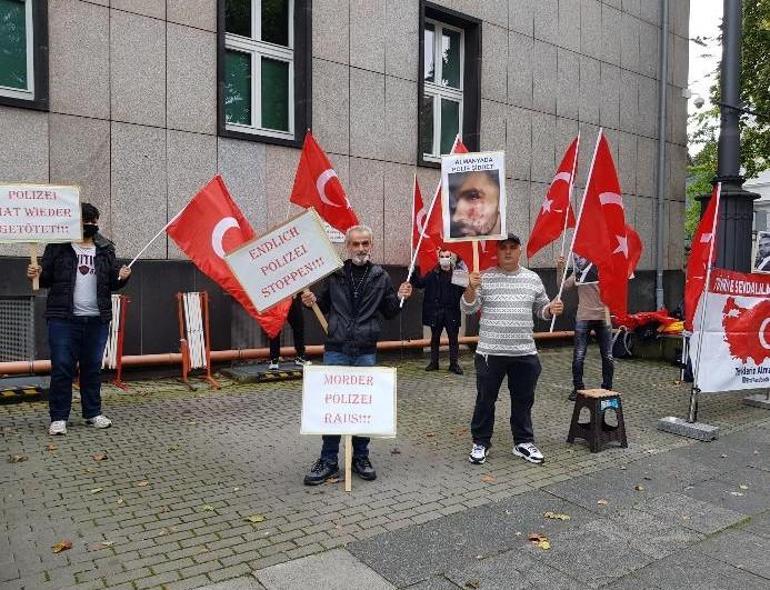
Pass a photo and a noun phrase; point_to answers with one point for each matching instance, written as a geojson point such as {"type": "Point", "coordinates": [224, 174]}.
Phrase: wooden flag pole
{"type": "Point", "coordinates": [348, 462]}
{"type": "Point", "coordinates": [33, 260]}
{"type": "Point", "coordinates": [475, 256]}
{"type": "Point", "coordinates": [319, 314]}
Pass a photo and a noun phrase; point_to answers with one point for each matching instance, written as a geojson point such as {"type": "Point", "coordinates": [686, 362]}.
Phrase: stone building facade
{"type": "Point", "coordinates": [133, 101]}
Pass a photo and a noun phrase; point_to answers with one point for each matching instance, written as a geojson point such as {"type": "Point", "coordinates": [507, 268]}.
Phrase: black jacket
{"type": "Point", "coordinates": [440, 296]}
{"type": "Point", "coordinates": [354, 327]}
{"type": "Point", "coordinates": [59, 264]}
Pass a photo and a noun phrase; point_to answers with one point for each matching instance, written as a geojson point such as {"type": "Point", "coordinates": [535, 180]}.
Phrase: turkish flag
{"type": "Point", "coordinates": [701, 257]}
{"type": "Point", "coordinates": [427, 255]}
{"type": "Point", "coordinates": [317, 185]}
{"type": "Point", "coordinates": [210, 226]}
{"type": "Point", "coordinates": [635, 249]}
{"type": "Point", "coordinates": [556, 208]}
{"type": "Point", "coordinates": [602, 236]}
{"type": "Point", "coordinates": [435, 229]}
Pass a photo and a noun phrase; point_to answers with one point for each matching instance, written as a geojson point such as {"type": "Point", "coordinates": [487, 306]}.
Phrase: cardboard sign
{"type": "Point", "coordinates": [284, 261]}
{"type": "Point", "coordinates": [473, 202]}
{"type": "Point", "coordinates": [349, 400]}
{"type": "Point", "coordinates": [39, 213]}
{"type": "Point", "coordinates": [335, 236]}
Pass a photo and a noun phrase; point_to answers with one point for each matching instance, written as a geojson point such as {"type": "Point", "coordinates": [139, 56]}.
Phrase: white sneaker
{"type": "Point", "coordinates": [528, 452]}
{"type": "Point", "coordinates": [478, 454]}
{"type": "Point", "coordinates": [100, 421]}
{"type": "Point", "coordinates": [57, 427]}
{"type": "Point", "coordinates": [274, 366]}
{"type": "Point", "coordinates": [301, 362]}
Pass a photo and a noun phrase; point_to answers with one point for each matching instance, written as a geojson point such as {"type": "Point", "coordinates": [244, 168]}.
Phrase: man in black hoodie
{"type": "Point", "coordinates": [353, 297]}
{"type": "Point", "coordinates": [80, 278]}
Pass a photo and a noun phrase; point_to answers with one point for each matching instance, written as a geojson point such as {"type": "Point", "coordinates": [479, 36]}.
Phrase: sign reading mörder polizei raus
{"type": "Point", "coordinates": [732, 351]}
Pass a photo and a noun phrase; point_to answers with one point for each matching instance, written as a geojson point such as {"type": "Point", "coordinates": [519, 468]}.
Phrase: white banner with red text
{"type": "Point", "coordinates": [732, 351]}
{"type": "Point", "coordinates": [39, 213]}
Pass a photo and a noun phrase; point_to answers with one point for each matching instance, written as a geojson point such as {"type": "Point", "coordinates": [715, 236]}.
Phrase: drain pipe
{"type": "Point", "coordinates": [244, 354]}
{"type": "Point", "coordinates": [661, 203]}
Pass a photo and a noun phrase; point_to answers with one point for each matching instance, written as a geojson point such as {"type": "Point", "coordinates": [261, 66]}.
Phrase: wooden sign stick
{"type": "Point", "coordinates": [348, 462]}
{"type": "Point", "coordinates": [475, 256]}
{"type": "Point", "coordinates": [319, 314]}
{"type": "Point", "coordinates": [33, 260]}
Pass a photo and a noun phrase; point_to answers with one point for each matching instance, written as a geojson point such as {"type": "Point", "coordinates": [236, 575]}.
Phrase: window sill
{"type": "Point", "coordinates": [286, 141]}
{"type": "Point", "coordinates": [24, 103]}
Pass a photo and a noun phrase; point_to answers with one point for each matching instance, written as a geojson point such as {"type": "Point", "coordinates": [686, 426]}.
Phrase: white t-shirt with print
{"type": "Point", "coordinates": [84, 297]}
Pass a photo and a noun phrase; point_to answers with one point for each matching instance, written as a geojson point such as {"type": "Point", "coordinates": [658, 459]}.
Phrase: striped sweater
{"type": "Point", "coordinates": [507, 301]}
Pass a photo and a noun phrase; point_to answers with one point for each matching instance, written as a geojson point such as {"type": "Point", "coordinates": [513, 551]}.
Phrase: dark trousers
{"type": "Point", "coordinates": [77, 341]}
{"type": "Point", "coordinates": [440, 324]}
{"type": "Point", "coordinates": [604, 336]}
{"type": "Point", "coordinates": [330, 447]}
{"type": "Point", "coordinates": [297, 323]}
{"type": "Point", "coordinates": [522, 373]}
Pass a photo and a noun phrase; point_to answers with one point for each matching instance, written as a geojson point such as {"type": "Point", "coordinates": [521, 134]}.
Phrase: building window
{"type": "Point", "coordinates": [264, 69]}
{"type": "Point", "coordinates": [449, 89]}
{"type": "Point", "coordinates": [23, 53]}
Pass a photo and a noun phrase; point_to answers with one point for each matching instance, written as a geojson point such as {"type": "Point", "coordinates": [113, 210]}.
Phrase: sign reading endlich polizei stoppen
{"type": "Point", "coordinates": [39, 213]}
{"type": "Point", "coordinates": [735, 341]}
{"type": "Point", "coordinates": [349, 400]}
{"type": "Point", "coordinates": [284, 261]}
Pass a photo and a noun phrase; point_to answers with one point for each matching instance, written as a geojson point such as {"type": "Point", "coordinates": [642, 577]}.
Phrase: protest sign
{"type": "Point", "coordinates": [349, 400]}
{"type": "Point", "coordinates": [473, 196]}
{"type": "Point", "coordinates": [284, 261]}
{"type": "Point", "coordinates": [732, 351]}
{"type": "Point", "coordinates": [37, 213]}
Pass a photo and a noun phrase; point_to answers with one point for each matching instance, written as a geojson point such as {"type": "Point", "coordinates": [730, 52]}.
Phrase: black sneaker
{"type": "Point", "coordinates": [432, 367]}
{"type": "Point", "coordinates": [320, 472]}
{"type": "Point", "coordinates": [572, 396]}
{"type": "Point", "coordinates": [456, 369]}
{"type": "Point", "coordinates": [363, 467]}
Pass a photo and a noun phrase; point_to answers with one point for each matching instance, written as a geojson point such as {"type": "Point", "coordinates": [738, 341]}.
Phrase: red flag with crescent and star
{"type": "Point", "coordinates": [317, 185]}
{"type": "Point", "coordinates": [210, 226]}
{"type": "Point", "coordinates": [435, 229]}
{"type": "Point", "coordinates": [427, 255]}
{"type": "Point", "coordinates": [701, 257]}
{"type": "Point", "coordinates": [602, 235]}
{"type": "Point", "coordinates": [556, 208]}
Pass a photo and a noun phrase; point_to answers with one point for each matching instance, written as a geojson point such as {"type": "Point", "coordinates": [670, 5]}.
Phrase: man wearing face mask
{"type": "Point", "coordinates": [354, 297]}
{"type": "Point", "coordinates": [80, 277]}
{"type": "Point", "coordinates": [441, 309]}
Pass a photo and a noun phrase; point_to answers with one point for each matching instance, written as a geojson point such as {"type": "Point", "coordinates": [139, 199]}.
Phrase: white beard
{"type": "Point", "coordinates": [360, 259]}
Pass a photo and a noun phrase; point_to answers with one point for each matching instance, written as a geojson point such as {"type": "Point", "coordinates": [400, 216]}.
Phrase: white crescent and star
{"type": "Point", "coordinates": [420, 222]}
{"type": "Point", "coordinates": [622, 245]}
{"type": "Point", "coordinates": [321, 183]}
{"type": "Point", "coordinates": [218, 233]}
{"type": "Point", "coordinates": [762, 340]}
{"type": "Point", "coordinates": [565, 176]}
{"type": "Point", "coordinates": [547, 205]}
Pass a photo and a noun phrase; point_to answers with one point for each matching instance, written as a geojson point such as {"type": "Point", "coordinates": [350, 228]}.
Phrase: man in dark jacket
{"type": "Point", "coordinates": [441, 309]}
{"type": "Point", "coordinates": [354, 297]}
{"type": "Point", "coordinates": [80, 278]}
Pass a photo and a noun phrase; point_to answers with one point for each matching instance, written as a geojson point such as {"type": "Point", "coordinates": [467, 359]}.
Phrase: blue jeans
{"type": "Point", "coordinates": [330, 447]}
{"type": "Point", "coordinates": [77, 341]}
{"type": "Point", "coordinates": [604, 336]}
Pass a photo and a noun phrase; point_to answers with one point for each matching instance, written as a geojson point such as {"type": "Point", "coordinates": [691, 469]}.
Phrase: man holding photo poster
{"type": "Point", "coordinates": [354, 297]}
{"type": "Point", "coordinates": [506, 296]}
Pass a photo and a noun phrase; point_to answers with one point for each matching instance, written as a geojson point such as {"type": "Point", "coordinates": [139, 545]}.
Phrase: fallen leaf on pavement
{"type": "Point", "coordinates": [142, 484]}
{"type": "Point", "coordinates": [121, 501]}
{"type": "Point", "coordinates": [333, 480]}
{"type": "Point", "coordinates": [100, 457]}
{"type": "Point", "coordinates": [540, 540]}
{"type": "Point", "coordinates": [739, 494]}
{"type": "Point", "coordinates": [462, 432]}
{"type": "Point", "coordinates": [430, 434]}
{"type": "Point", "coordinates": [602, 502]}
{"type": "Point", "coordinates": [535, 537]}
{"type": "Point", "coordinates": [544, 544]}
{"type": "Point", "coordinates": [17, 458]}
{"type": "Point", "coordinates": [236, 489]}
{"type": "Point", "coordinates": [62, 545]}
{"type": "Point", "coordinates": [255, 518]}
{"type": "Point", "coordinates": [743, 486]}
{"type": "Point", "coordinates": [207, 508]}
{"type": "Point", "coordinates": [723, 456]}
{"type": "Point", "coordinates": [97, 490]}
{"type": "Point", "coordinates": [100, 545]}
{"type": "Point", "coordinates": [639, 488]}
{"type": "Point", "coordinates": [557, 516]}
{"type": "Point", "coordinates": [473, 584]}
{"type": "Point", "coordinates": [489, 478]}
{"type": "Point", "coordinates": [51, 447]}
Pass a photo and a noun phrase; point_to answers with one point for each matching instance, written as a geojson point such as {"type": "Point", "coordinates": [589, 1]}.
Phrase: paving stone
{"type": "Point", "coordinates": [691, 513]}
{"type": "Point", "coordinates": [740, 549]}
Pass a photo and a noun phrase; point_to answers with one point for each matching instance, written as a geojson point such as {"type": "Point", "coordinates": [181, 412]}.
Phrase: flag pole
{"type": "Point", "coordinates": [579, 217]}
{"type": "Point", "coordinates": [427, 218]}
{"type": "Point", "coordinates": [156, 236]}
{"type": "Point", "coordinates": [692, 414]}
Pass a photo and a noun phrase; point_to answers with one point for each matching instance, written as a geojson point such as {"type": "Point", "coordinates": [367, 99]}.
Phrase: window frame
{"type": "Point", "coordinates": [36, 95]}
{"type": "Point", "coordinates": [470, 75]}
{"type": "Point", "coordinates": [297, 55]}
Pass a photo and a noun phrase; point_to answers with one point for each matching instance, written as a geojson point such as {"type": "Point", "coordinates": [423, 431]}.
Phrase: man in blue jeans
{"type": "Point", "coordinates": [354, 298]}
{"type": "Point", "coordinates": [80, 278]}
{"type": "Point", "coordinates": [591, 315]}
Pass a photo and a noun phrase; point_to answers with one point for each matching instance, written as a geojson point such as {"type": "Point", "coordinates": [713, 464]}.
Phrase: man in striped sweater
{"type": "Point", "coordinates": [507, 296]}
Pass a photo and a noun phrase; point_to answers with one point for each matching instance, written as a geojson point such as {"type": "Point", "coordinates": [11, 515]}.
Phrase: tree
{"type": "Point", "coordinates": [755, 129]}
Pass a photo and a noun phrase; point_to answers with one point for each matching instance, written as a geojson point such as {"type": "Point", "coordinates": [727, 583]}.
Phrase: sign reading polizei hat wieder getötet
{"type": "Point", "coordinates": [284, 261]}
{"type": "Point", "coordinates": [349, 400]}
{"type": "Point", "coordinates": [39, 213]}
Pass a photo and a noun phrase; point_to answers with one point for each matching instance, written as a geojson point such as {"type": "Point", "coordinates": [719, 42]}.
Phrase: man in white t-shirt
{"type": "Point", "coordinates": [80, 277]}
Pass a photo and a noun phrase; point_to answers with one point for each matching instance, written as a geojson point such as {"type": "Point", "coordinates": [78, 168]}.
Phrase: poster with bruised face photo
{"type": "Point", "coordinates": [761, 252]}
{"type": "Point", "coordinates": [473, 196]}
{"type": "Point", "coordinates": [584, 270]}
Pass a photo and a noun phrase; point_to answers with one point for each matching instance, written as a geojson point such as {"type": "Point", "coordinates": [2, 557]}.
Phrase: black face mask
{"type": "Point", "coordinates": [90, 230]}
